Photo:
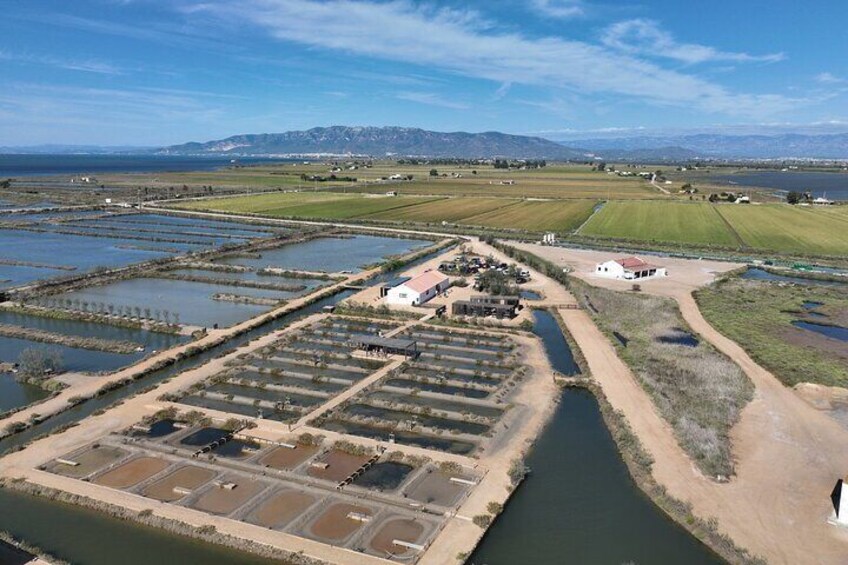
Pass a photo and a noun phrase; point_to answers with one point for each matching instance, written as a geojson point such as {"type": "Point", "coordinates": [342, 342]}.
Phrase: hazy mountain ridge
{"type": "Point", "coordinates": [819, 146]}
{"type": "Point", "coordinates": [380, 141]}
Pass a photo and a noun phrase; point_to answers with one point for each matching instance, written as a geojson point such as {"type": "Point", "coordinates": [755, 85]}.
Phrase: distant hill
{"type": "Point", "coordinates": [821, 146]}
{"type": "Point", "coordinates": [379, 142]}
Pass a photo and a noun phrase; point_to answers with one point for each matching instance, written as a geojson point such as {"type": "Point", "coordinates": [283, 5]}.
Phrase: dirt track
{"type": "Point", "coordinates": [789, 455]}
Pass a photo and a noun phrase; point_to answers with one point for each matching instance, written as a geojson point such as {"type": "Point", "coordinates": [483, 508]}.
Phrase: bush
{"type": "Point", "coordinates": [482, 520]}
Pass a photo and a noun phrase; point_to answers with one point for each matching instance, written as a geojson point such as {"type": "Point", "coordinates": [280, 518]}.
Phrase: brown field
{"type": "Point", "coordinates": [219, 500]}
{"type": "Point", "coordinates": [340, 466]}
{"type": "Point", "coordinates": [279, 510]}
{"type": "Point", "coordinates": [405, 529]}
{"type": "Point", "coordinates": [189, 477]}
{"type": "Point", "coordinates": [131, 473]}
{"type": "Point", "coordinates": [334, 523]}
{"type": "Point", "coordinates": [437, 488]}
{"type": "Point", "coordinates": [90, 460]}
{"type": "Point", "coordinates": [287, 458]}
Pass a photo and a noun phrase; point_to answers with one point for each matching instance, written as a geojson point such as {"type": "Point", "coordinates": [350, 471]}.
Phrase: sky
{"type": "Point", "coordinates": [159, 72]}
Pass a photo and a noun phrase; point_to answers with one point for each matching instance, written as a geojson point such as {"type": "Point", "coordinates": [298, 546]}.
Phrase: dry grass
{"type": "Point", "coordinates": [699, 391]}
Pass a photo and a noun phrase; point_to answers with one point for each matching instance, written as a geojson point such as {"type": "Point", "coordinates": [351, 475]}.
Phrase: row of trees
{"type": "Point", "coordinates": [108, 309]}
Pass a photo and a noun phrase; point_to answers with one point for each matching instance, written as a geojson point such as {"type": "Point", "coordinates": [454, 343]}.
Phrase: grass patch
{"type": "Point", "coordinates": [793, 355]}
{"type": "Point", "coordinates": [698, 390]}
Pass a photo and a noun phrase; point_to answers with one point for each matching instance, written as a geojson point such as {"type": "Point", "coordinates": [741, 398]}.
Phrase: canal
{"type": "Point", "coordinates": [579, 504]}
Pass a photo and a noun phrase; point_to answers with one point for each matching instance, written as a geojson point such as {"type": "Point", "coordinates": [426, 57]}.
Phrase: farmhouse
{"type": "Point", "coordinates": [629, 268]}
{"type": "Point", "coordinates": [418, 290]}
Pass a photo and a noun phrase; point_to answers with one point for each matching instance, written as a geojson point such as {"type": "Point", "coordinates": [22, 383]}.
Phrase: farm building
{"type": "Point", "coordinates": [418, 290]}
{"type": "Point", "coordinates": [498, 306]}
{"type": "Point", "coordinates": [629, 268]}
{"type": "Point", "coordinates": [387, 286]}
{"type": "Point", "coordinates": [386, 345]}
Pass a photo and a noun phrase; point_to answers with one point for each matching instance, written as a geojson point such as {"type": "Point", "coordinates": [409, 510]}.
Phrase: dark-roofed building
{"type": "Point", "coordinates": [385, 345]}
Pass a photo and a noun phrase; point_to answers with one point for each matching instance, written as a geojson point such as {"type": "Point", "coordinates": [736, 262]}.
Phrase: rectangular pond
{"type": "Point", "coordinates": [192, 300]}
{"type": "Point", "coordinates": [331, 255]}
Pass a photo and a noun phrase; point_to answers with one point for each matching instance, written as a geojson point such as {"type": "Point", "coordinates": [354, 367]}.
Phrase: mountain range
{"type": "Point", "coordinates": [380, 142]}
{"type": "Point", "coordinates": [409, 142]}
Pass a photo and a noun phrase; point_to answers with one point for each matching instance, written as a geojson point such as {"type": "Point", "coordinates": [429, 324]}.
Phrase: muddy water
{"type": "Point", "coordinates": [87, 537]}
{"type": "Point", "coordinates": [579, 504]}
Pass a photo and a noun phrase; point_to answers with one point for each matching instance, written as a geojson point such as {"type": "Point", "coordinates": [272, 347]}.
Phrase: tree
{"type": "Point", "coordinates": [36, 362]}
{"type": "Point", "coordinates": [602, 166]}
{"type": "Point", "coordinates": [793, 197]}
{"type": "Point", "coordinates": [434, 173]}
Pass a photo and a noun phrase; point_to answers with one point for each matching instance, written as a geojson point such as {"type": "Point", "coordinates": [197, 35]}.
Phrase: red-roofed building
{"type": "Point", "coordinates": [419, 289]}
{"type": "Point", "coordinates": [629, 268]}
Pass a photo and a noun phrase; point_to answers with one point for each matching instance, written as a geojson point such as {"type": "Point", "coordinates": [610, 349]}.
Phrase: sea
{"type": "Point", "coordinates": [15, 166]}
{"type": "Point", "coordinates": [830, 185]}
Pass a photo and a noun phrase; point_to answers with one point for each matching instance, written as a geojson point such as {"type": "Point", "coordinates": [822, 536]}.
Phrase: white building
{"type": "Point", "coordinates": [629, 268]}
{"type": "Point", "coordinates": [418, 290]}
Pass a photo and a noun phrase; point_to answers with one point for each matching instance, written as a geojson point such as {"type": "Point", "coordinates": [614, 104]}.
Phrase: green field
{"type": "Point", "coordinates": [666, 222]}
{"type": "Point", "coordinates": [445, 210]}
{"type": "Point", "coordinates": [556, 216]}
{"type": "Point", "coordinates": [504, 213]}
{"type": "Point", "coordinates": [787, 228]}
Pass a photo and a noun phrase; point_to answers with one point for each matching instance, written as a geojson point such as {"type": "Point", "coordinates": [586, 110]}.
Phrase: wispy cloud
{"type": "Point", "coordinates": [646, 37]}
{"type": "Point", "coordinates": [561, 9]}
{"type": "Point", "coordinates": [83, 65]}
{"type": "Point", "coordinates": [829, 78]}
{"type": "Point", "coordinates": [430, 99]}
{"type": "Point", "coordinates": [463, 42]}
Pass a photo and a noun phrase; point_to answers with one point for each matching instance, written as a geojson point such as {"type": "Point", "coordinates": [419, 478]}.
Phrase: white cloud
{"type": "Point", "coordinates": [461, 41]}
{"type": "Point", "coordinates": [559, 8]}
{"type": "Point", "coordinates": [829, 78]}
{"type": "Point", "coordinates": [646, 37]}
{"type": "Point", "coordinates": [431, 100]}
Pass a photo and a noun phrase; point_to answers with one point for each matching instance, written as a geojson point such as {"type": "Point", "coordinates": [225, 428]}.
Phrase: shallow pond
{"type": "Point", "coordinates": [438, 404]}
{"type": "Point", "coordinates": [442, 389]}
{"type": "Point", "coordinates": [331, 254]}
{"type": "Point", "coordinates": [579, 504]}
{"type": "Point", "coordinates": [530, 295]}
{"type": "Point", "coordinates": [151, 341]}
{"type": "Point", "coordinates": [402, 417]}
{"type": "Point", "coordinates": [403, 437]}
{"type": "Point", "coordinates": [384, 476]}
{"type": "Point", "coordinates": [68, 531]}
{"type": "Point", "coordinates": [193, 301]}
{"type": "Point", "coordinates": [15, 395]}
{"type": "Point", "coordinates": [679, 337]}
{"type": "Point", "coordinates": [84, 253]}
{"type": "Point", "coordinates": [762, 275]}
{"type": "Point", "coordinates": [833, 332]}
{"type": "Point", "coordinates": [72, 359]}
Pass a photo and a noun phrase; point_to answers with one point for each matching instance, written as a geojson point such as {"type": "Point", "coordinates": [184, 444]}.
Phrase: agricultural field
{"type": "Point", "coordinates": [667, 222]}
{"type": "Point", "coordinates": [789, 229]}
{"type": "Point", "coordinates": [559, 216]}
{"type": "Point", "coordinates": [453, 210]}
{"type": "Point", "coordinates": [795, 332]}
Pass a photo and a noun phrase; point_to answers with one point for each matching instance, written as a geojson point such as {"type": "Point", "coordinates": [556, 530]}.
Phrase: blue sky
{"type": "Point", "coordinates": [150, 72]}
